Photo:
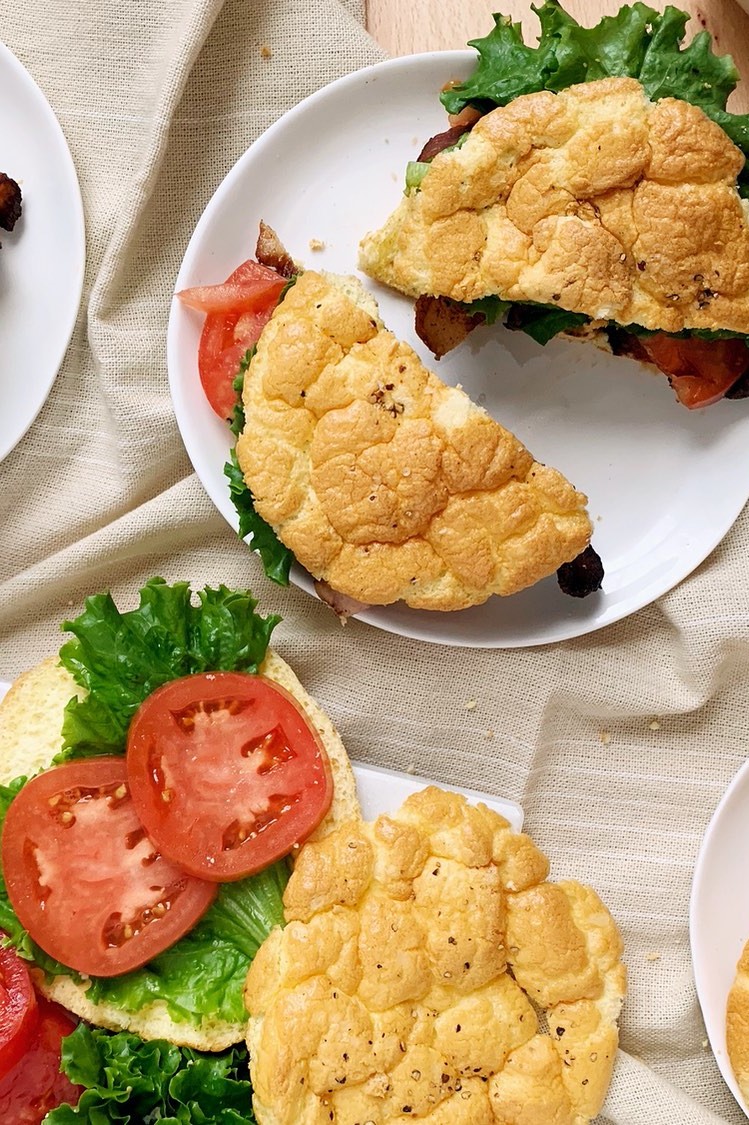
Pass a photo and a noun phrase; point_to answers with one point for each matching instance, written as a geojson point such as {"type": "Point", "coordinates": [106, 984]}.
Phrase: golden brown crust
{"type": "Point", "coordinates": [387, 997]}
{"type": "Point", "coordinates": [737, 1023]}
{"type": "Point", "coordinates": [594, 199]}
{"type": "Point", "coordinates": [383, 481]}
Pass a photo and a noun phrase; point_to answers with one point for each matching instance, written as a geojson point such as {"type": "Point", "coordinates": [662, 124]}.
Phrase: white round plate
{"type": "Point", "coordinates": [655, 473]}
{"type": "Point", "coordinates": [719, 915]}
{"type": "Point", "coordinates": [42, 261]}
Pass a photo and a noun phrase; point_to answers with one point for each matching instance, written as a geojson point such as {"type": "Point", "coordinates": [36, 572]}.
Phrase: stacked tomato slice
{"type": "Point", "coordinates": [109, 861]}
{"type": "Point", "coordinates": [31, 1032]}
{"type": "Point", "coordinates": [236, 311]}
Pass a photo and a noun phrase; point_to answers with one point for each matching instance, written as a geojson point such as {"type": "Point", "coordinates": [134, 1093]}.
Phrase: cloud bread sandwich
{"type": "Point", "coordinates": [385, 483]}
{"type": "Point", "coordinates": [429, 971]}
{"type": "Point", "coordinates": [593, 185]}
{"type": "Point", "coordinates": [77, 713]}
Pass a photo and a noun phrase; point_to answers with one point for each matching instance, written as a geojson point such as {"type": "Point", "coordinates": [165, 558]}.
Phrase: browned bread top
{"type": "Point", "coordinates": [594, 199]}
{"type": "Point", "coordinates": [430, 971]}
{"type": "Point", "coordinates": [385, 482]}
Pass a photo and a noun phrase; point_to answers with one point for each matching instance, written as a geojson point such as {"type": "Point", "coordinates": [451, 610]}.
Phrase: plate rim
{"type": "Point", "coordinates": [564, 629]}
{"type": "Point", "coordinates": [71, 183]}
{"type": "Point", "coordinates": [716, 1034]}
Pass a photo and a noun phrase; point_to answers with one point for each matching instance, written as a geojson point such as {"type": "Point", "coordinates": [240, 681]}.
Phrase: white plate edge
{"type": "Point", "coordinates": [75, 198]}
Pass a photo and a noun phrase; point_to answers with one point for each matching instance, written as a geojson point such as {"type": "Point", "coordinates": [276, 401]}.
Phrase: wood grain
{"type": "Point", "coordinates": [404, 27]}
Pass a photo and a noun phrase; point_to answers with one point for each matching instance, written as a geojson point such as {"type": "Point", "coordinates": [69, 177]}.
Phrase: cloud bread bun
{"type": "Point", "coordinates": [429, 971]}
{"type": "Point", "coordinates": [383, 481]}
{"type": "Point", "coordinates": [737, 1023]}
{"type": "Point", "coordinates": [595, 199]}
{"type": "Point", "coordinates": [30, 735]}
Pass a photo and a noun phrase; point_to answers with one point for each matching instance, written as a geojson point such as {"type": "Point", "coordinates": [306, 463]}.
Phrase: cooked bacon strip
{"type": "Point", "coordinates": [441, 141]}
{"type": "Point", "coordinates": [442, 325]}
{"type": "Point", "coordinates": [270, 251]}
{"type": "Point", "coordinates": [10, 202]}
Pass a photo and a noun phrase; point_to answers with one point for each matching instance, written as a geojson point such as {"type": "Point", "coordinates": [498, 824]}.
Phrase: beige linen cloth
{"type": "Point", "coordinates": [158, 98]}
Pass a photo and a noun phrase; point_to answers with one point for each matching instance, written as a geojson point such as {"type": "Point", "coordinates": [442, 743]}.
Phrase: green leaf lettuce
{"type": "Point", "coordinates": [131, 1082]}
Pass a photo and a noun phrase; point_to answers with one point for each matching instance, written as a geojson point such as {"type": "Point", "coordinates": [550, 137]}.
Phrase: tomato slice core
{"type": "Point", "coordinates": [83, 877]}
{"type": "Point", "coordinates": [18, 1009]}
{"type": "Point", "coordinates": [35, 1085]}
{"type": "Point", "coordinates": [237, 311]}
{"type": "Point", "coordinates": [226, 772]}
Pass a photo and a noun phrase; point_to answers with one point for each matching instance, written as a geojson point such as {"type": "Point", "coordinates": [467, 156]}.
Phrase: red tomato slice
{"type": "Point", "coordinates": [83, 877]}
{"type": "Point", "coordinates": [226, 772]}
{"type": "Point", "coordinates": [35, 1085]}
{"type": "Point", "coordinates": [700, 371]}
{"type": "Point", "coordinates": [249, 288]}
{"type": "Point", "coordinates": [231, 327]}
{"type": "Point", "coordinates": [18, 1011]}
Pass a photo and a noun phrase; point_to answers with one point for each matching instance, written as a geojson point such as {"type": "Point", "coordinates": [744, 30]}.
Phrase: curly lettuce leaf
{"type": "Point", "coordinates": [541, 322]}
{"type": "Point", "coordinates": [638, 42]}
{"type": "Point", "coordinates": [275, 557]}
{"type": "Point", "coordinates": [129, 1082]}
{"type": "Point", "coordinates": [238, 419]}
{"type": "Point", "coordinates": [120, 658]}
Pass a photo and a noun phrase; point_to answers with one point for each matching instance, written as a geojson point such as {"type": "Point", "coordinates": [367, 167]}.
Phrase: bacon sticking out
{"type": "Point", "coordinates": [582, 576]}
{"type": "Point", "coordinates": [468, 116]}
{"type": "Point", "coordinates": [441, 141]}
{"type": "Point", "coordinates": [10, 202]}
{"type": "Point", "coordinates": [442, 325]}
{"type": "Point", "coordinates": [343, 606]}
{"type": "Point", "coordinates": [270, 251]}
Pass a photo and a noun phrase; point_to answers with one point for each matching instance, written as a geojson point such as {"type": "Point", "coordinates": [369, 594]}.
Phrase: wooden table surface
{"type": "Point", "coordinates": [403, 27]}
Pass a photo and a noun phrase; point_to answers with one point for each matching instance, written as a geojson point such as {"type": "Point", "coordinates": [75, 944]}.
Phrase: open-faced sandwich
{"type": "Point", "coordinates": [149, 933]}
{"type": "Point", "coordinates": [382, 481]}
{"type": "Point", "coordinates": [591, 186]}
{"type": "Point", "coordinates": [419, 967]}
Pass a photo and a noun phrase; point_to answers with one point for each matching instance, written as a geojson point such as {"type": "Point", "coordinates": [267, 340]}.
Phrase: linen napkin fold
{"type": "Point", "coordinates": [158, 100]}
